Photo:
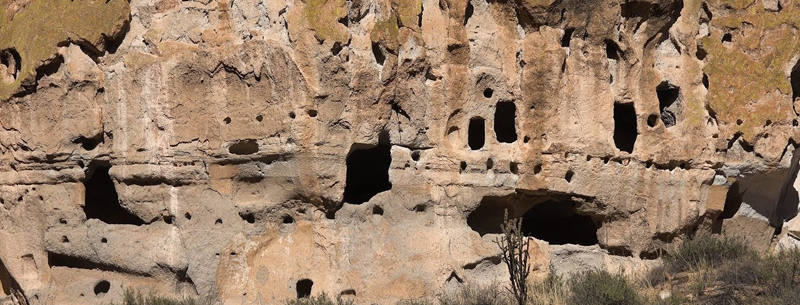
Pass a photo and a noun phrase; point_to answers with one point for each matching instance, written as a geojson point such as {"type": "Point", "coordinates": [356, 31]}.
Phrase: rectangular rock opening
{"type": "Point", "coordinates": [476, 135]}
{"type": "Point", "coordinates": [505, 117]}
{"type": "Point", "coordinates": [625, 129]}
{"type": "Point", "coordinates": [367, 173]}
{"type": "Point", "coordinates": [668, 95]}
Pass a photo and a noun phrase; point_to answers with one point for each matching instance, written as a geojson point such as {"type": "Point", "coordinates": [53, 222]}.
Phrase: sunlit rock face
{"type": "Point", "coordinates": [254, 151]}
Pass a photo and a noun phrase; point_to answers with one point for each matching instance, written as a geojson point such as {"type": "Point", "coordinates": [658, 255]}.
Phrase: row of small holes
{"type": "Point", "coordinates": [311, 113]}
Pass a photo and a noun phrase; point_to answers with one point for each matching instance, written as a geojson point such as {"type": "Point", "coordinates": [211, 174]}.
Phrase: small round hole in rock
{"type": "Point", "coordinates": [249, 217]}
{"type": "Point", "coordinates": [292, 115]}
{"type": "Point", "coordinates": [769, 122]}
{"type": "Point", "coordinates": [415, 155]}
{"type": "Point", "coordinates": [218, 222]}
{"type": "Point", "coordinates": [568, 176]}
{"type": "Point", "coordinates": [168, 219]}
{"type": "Point", "coordinates": [526, 139]}
{"type": "Point", "coordinates": [288, 219]}
{"type": "Point", "coordinates": [312, 113]}
{"type": "Point", "coordinates": [727, 37]}
{"type": "Point", "coordinates": [227, 120]}
{"type": "Point", "coordinates": [463, 165]}
{"type": "Point", "coordinates": [64, 239]}
{"type": "Point", "coordinates": [188, 216]}
{"type": "Point", "coordinates": [419, 208]}
{"type": "Point", "coordinates": [514, 168]}
{"type": "Point", "coordinates": [488, 92]}
{"type": "Point", "coordinates": [489, 163]}
{"type": "Point", "coordinates": [259, 118]}
{"type": "Point", "coordinates": [102, 287]}
{"type": "Point", "coordinates": [652, 120]}
{"type": "Point", "coordinates": [104, 240]}
{"type": "Point", "coordinates": [739, 122]}
{"type": "Point", "coordinates": [377, 210]}
{"type": "Point", "coordinates": [537, 169]}
{"type": "Point", "coordinates": [62, 221]}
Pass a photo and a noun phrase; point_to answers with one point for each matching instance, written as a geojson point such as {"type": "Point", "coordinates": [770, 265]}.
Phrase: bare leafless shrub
{"type": "Point", "coordinates": [514, 247]}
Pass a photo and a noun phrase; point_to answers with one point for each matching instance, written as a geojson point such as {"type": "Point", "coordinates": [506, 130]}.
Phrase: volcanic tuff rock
{"type": "Point", "coordinates": [251, 151]}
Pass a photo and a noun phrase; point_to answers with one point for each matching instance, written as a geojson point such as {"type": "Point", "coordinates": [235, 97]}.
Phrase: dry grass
{"type": "Point", "coordinates": [132, 297]}
{"type": "Point", "coordinates": [321, 299]}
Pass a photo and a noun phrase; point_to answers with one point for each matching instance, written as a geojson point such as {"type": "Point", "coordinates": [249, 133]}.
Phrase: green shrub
{"type": "Point", "coordinates": [706, 250]}
{"type": "Point", "coordinates": [132, 297]}
{"type": "Point", "coordinates": [600, 287]}
{"type": "Point", "coordinates": [321, 299]}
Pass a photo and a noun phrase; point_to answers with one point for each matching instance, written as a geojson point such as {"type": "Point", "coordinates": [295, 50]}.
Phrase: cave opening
{"type": "Point", "coordinates": [625, 128]}
{"type": "Point", "coordinates": [243, 147]}
{"type": "Point", "coordinates": [667, 97]}
{"type": "Point", "coordinates": [304, 288]}
{"type": "Point", "coordinates": [794, 80]}
{"type": "Point", "coordinates": [476, 135]}
{"type": "Point", "coordinates": [102, 287]}
{"type": "Point", "coordinates": [505, 117]}
{"type": "Point", "coordinates": [101, 200]}
{"type": "Point", "coordinates": [487, 218]}
{"type": "Point", "coordinates": [558, 223]}
{"type": "Point", "coordinates": [551, 219]}
{"type": "Point", "coordinates": [10, 64]}
{"type": "Point", "coordinates": [367, 173]}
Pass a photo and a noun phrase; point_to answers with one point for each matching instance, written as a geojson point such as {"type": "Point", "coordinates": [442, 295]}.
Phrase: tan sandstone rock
{"type": "Point", "coordinates": [252, 151]}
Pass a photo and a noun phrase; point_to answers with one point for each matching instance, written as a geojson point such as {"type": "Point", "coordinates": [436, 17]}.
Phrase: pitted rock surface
{"type": "Point", "coordinates": [252, 151]}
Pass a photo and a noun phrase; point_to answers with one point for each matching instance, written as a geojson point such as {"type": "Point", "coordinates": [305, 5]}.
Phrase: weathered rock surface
{"type": "Point", "coordinates": [250, 151]}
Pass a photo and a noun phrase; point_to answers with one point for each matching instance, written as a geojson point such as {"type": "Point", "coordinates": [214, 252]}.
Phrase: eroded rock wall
{"type": "Point", "coordinates": [252, 151]}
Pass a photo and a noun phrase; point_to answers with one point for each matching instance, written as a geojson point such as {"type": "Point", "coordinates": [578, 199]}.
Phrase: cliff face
{"type": "Point", "coordinates": [251, 151]}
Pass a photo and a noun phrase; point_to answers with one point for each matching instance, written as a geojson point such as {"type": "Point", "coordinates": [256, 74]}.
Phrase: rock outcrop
{"type": "Point", "coordinates": [253, 151]}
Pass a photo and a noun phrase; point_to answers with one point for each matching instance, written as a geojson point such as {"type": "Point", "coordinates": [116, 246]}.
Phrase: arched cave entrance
{"type": "Point", "coordinates": [552, 219]}
{"type": "Point", "coordinates": [367, 173]}
{"type": "Point", "coordinates": [101, 200]}
{"type": "Point", "coordinates": [304, 288]}
{"type": "Point", "coordinates": [476, 133]}
{"type": "Point", "coordinates": [557, 223]}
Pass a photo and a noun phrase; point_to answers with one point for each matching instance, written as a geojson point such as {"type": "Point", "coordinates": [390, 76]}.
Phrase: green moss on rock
{"type": "Point", "coordinates": [36, 30]}
{"type": "Point", "coordinates": [743, 72]}
{"type": "Point", "coordinates": [323, 17]}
